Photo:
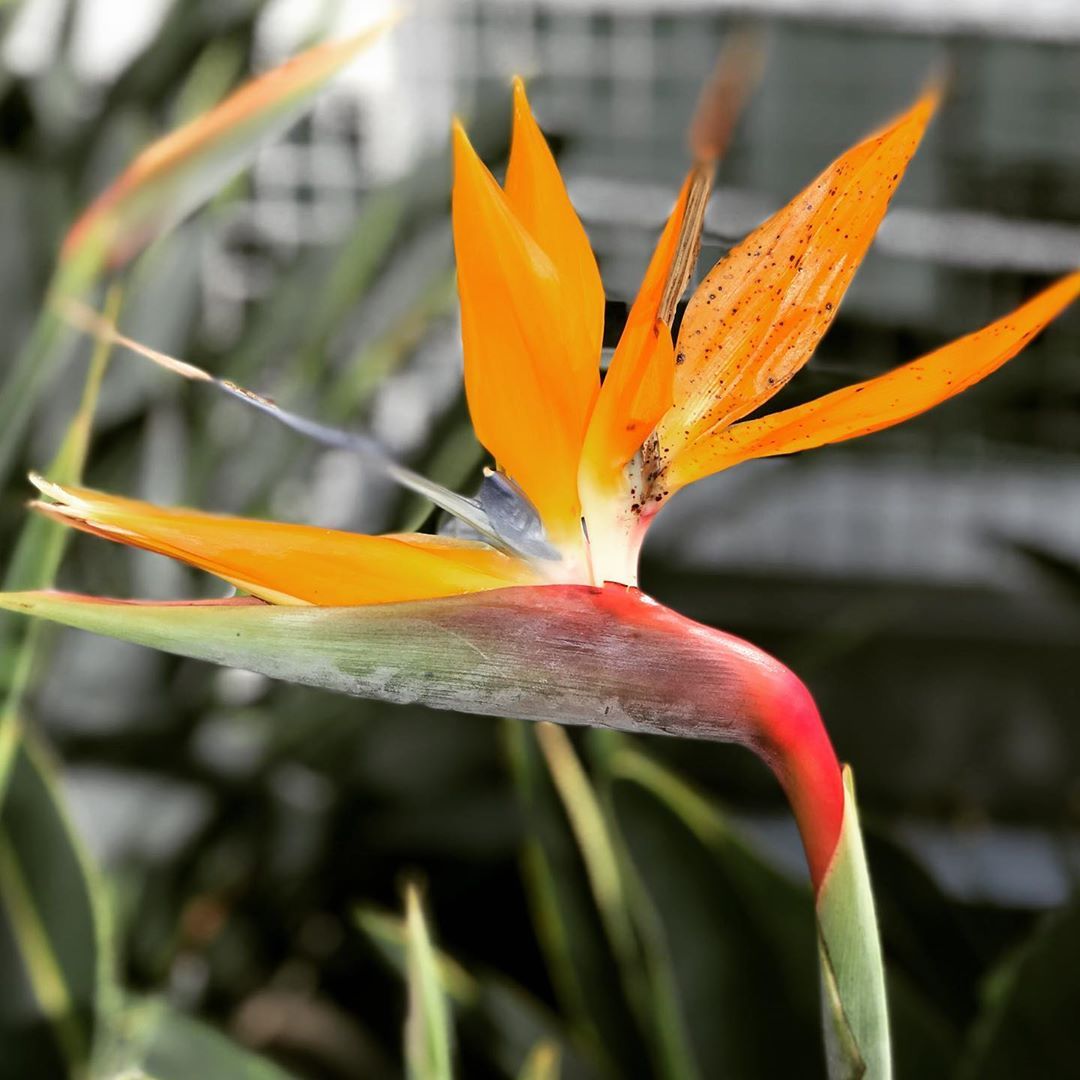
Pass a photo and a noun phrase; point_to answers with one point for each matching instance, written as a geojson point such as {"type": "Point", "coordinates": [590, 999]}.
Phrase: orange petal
{"type": "Point", "coordinates": [529, 385]}
{"type": "Point", "coordinates": [538, 197]}
{"type": "Point", "coordinates": [760, 312]}
{"type": "Point", "coordinates": [292, 564]}
{"type": "Point", "coordinates": [637, 389]}
{"type": "Point", "coordinates": [881, 402]}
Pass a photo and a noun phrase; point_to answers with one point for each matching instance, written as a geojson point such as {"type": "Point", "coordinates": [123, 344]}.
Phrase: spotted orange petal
{"type": "Point", "coordinates": [291, 564]}
{"type": "Point", "coordinates": [880, 402]}
{"type": "Point", "coordinates": [539, 199]}
{"type": "Point", "coordinates": [759, 313]}
{"type": "Point", "coordinates": [637, 389]}
{"type": "Point", "coordinates": [529, 385]}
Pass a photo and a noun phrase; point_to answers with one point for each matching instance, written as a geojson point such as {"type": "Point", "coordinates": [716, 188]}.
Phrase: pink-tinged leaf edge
{"type": "Point", "coordinates": [141, 200]}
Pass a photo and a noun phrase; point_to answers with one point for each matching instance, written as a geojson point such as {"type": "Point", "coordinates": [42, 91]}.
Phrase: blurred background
{"type": "Point", "coordinates": [925, 581]}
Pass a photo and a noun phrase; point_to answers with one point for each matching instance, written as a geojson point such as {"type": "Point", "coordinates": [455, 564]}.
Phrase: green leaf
{"type": "Point", "coordinates": [390, 933]}
{"type": "Point", "coordinates": [156, 1041]}
{"type": "Point", "coordinates": [854, 1011]}
{"type": "Point", "coordinates": [935, 957]}
{"type": "Point", "coordinates": [583, 967]}
{"type": "Point", "coordinates": [167, 181]}
{"type": "Point", "coordinates": [924, 1042]}
{"type": "Point", "coordinates": [428, 1043]}
{"type": "Point", "coordinates": [543, 1062]}
{"type": "Point", "coordinates": [498, 1017]}
{"type": "Point", "coordinates": [213, 74]}
{"type": "Point", "coordinates": [376, 361]}
{"type": "Point", "coordinates": [730, 939]}
{"type": "Point", "coordinates": [1028, 1023]}
{"type": "Point", "coordinates": [53, 939]}
{"type": "Point", "coordinates": [598, 852]}
{"type": "Point", "coordinates": [39, 550]}
{"type": "Point", "coordinates": [182, 170]}
{"type": "Point", "coordinates": [41, 544]}
{"type": "Point", "coordinates": [34, 365]}
{"type": "Point", "coordinates": [54, 921]}
{"type": "Point", "coordinates": [630, 919]}
{"type": "Point", "coordinates": [373, 236]}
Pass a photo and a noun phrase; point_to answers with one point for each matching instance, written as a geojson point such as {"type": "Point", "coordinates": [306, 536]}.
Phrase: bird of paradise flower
{"type": "Point", "coordinates": [530, 607]}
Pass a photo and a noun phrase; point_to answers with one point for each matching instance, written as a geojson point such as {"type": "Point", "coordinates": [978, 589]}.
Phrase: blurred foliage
{"type": "Point", "coordinates": [600, 907]}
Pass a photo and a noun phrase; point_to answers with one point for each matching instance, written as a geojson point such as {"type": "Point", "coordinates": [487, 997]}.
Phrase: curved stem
{"type": "Point", "coordinates": [795, 744]}
{"type": "Point", "coordinates": [797, 748]}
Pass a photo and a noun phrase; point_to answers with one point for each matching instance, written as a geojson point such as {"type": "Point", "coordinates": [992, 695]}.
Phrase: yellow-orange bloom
{"type": "Point", "coordinates": [292, 564]}
{"type": "Point", "coordinates": [584, 463]}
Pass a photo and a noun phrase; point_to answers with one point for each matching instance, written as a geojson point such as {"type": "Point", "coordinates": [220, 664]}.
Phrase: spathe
{"type": "Point", "coordinates": [572, 654]}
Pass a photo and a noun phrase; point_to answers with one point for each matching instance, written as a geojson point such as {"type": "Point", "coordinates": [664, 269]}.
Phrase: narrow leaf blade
{"type": "Point", "coordinates": [499, 1017]}
{"type": "Point", "coordinates": [182, 170]}
{"type": "Point", "coordinates": [561, 888]}
{"type": "Point", "coordinates": [543, 1063]}
{"type": "Point", "coordinates": [597, 846]}
{"type": "Point", "coordinates": [53, 916]}
{"type": "Point", "coordinates": [38, 551]}
{"type": "Point", "coordinates": [162, 1043]}
{"type": "Point", "coordinates": [428, 1043]}
{"type": "Point", "coordinates": [854, 1011]}
{"type": "Point", "coordinates": [727, 934]}
{"type": "Point", "coordinates": [166, 182]}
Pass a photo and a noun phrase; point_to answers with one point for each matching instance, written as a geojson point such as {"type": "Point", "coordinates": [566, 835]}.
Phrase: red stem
{"type": "Point", "coordinates": [796, 747]}
{"type": "Point", "coordinates": [763, 705]}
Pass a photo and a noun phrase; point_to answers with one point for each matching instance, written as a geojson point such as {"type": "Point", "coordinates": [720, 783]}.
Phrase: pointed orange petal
{"type": "Point", "coordinates": [637, 389]}
{"type": "Point", "coordinates": [538, 197]}
{"type": "Point", "coordinates": [292, 564]}
{"type": "Point", "coordinates": [881, 402]}
{"type": "Point", "coordinates": [760, 312]}
{"type": "Point", "coordinates": [529, 386]}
